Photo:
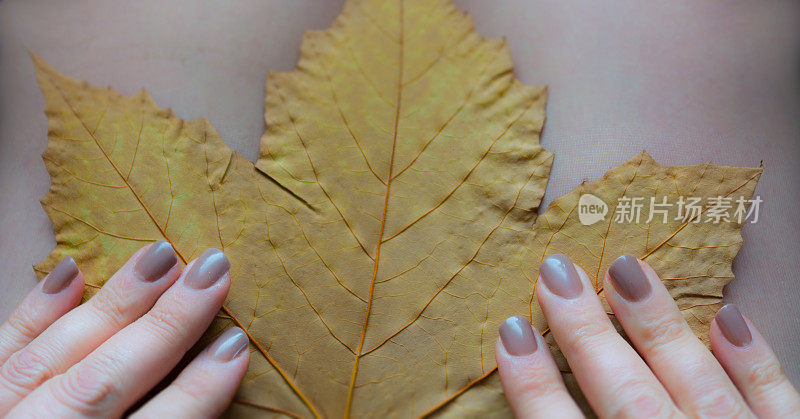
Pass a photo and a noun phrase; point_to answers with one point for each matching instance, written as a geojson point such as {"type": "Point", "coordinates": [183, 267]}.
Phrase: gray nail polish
{"type": "Point", "coordinates": [628, 278]}
{"type": "Point", "coordinates": [517, 336]}
{"type": "Point", "coordinates": [560, 276]}
{"type": "Point", "coordinates": [159, 258]}
{"type": "Point", "coordinates": [60, 276]}
{"type": "Point", "coordinates": [207, 269]}
{"type": "Point", "coordinates": [733, 327]}
{"type": "Point", "coordinates": [229, 344]}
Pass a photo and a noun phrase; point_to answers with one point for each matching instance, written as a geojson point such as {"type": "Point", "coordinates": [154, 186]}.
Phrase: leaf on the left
{"type": "Point", "coordinates": [125, 173]}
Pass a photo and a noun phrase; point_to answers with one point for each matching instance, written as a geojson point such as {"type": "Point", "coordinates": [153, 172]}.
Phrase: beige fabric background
{"type": "Point", "coordinates": [687, 80]}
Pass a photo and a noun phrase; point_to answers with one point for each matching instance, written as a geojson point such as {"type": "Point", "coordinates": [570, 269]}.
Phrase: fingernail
{"type": "Point", "coordinates": [60, 276]}
{"type": "Point", "coordinates": [560, 276]}
{"type": "Point", "coordinates": [159, 258]}
{"type": "Point", "coordinates": [207, 269]}
{"type": "Point", "coordinates": [517, 336]}
{"type": "Point", "coordinates": [229, 344]}
{"type": "Point", "coordinates": [733, 327]}
{"type": "Point", "coordinates": [629, 279]}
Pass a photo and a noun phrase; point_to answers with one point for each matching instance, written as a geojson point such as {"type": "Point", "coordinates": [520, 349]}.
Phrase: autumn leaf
{"type": "Point", "coordinates": [689, 250]}
{"type": "Point", "coordinates": [400, 166]}
{"type": "Point", "coordinates": [385, 231]}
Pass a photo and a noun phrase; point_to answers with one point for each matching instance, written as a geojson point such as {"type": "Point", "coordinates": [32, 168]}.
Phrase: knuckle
{"type": "Point", "coordinates": [112, 306]}
{"type": "Point", "coordinates": [22, 324]}
{"type": "Point", "coordinates": [638, 398]}
{"type": "Point", "coordinates": [90, 388]}
{"type": "Point", "coordinates": [588, 336]}
{"type": "Point", "coordinates": [720, 403]}
{"type": "Point", "coordinates": [539, 386]}
{"type": "Point", "coordinates": [26, 370]}
{"type": "Point", "coordinates": [663, 331]}
{"type": "Point", "coordinates": [765, 376]}
{"type": "Point", "coordinates": [168, 324]}
{"type": "Point", "coordinates": [193, 393]}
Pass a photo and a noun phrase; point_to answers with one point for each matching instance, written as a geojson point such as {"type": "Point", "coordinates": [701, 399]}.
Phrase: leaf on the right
{"type": "Point", "coordinates": [690, 238]}
{"type": "Point", "coordinates": [684, 221]}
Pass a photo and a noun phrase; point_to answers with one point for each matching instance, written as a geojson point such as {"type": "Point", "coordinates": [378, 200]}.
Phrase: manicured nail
{"type": "Point", "coordinates": [733, 327]}
{"type": "Point", "coordinates": [229, 344]}
{"type": "Point", "coordinates": [629, 279]}
{"type": "Point", "coordinates": [60, 276]}
{"type": "Point", "coordinates": [159, 258]}
{"type": "Point", "coordinates": [207, 269]}
{"type": "Point", "coordinates": [560, 276]}
{"type": "Point", "coordinates": [517, 336]}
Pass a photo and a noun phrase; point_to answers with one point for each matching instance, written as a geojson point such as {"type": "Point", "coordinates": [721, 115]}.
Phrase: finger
{"type": "Point", "coordinates": [58, 293]}
{"type": "Point", "coordinates": [657, 329]}
{"type": "Point", "coordinates": [612, 376]}
{"type": "Point", "coordinates": [531, 381]}
{"type": "Point", "coordinates": [123, 299]}
{"type": "Point", "coordinates": [127, 365]}
{"type": "Point", "coordinates": [207, 385]}
{"type": "Point", "coordinates": [752, 365]}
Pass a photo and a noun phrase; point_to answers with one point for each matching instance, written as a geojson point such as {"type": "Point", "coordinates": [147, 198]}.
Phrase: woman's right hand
{"type": "Point", "coordinates": [666, 371]}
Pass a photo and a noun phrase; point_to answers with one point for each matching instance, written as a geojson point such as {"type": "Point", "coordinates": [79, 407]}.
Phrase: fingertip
{"type": "Point", "coordinates": [65, 273]}
{"type": "Point", "coordinates": [646, 267]}
{"type": "Point", "coordinates": [155, 261]}
{"type": "Point", "coordinates": [531, 380]}
{"type": "Point", "coordinates": [518, 337]}
{"type": "Point", "coordinates": [230, 345]}
{"type": "Point", "coordinates": [585, 279]}
{"type": "Point", "coordinates": [560, 276]}
{"type": "Point", "coordinates": [213, 378]}
{"type": "Point", "coordinates": [630, 282]}
{"type": "Point", "coordinates": [62, 289]}
{"type": "Point", "coordinates": [629, 279]}
{"type": "Point", "coordinates": [211, 268]}
{"type": "Point", "coordinates": [753, 366]}
{"type": "Point", "coordinates": [652, 275]}
{"type": "Point", "coordinates": [58, 293]}
{"type": "Point", "coordinates": [723, 346]}
{"type": "Point", "coordinates": [733, 326]}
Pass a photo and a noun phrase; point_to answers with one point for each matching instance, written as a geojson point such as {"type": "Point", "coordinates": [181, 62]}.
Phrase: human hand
{"type": "Point", "coordinates": [102, 357]}
{"type": "Point", "coordinates": [674, 376]}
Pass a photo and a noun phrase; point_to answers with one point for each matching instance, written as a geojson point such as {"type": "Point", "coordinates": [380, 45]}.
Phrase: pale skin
{"type": "Point", "coordinates": [98, 359]}
{"type": "Point", "coordinates": [61, 359]}
{"type": "Point", "coordinates": [666, 371]}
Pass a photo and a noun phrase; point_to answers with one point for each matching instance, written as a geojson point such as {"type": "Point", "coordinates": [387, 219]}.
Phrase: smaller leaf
{"type": "Point", "coordinates": [693, 258]}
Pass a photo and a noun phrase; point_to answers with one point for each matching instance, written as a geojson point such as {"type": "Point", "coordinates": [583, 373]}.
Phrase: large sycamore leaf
{"type": "Point", "coordinates": [375, 251]}
{"type": "Point", "coordinates": [385, 231]}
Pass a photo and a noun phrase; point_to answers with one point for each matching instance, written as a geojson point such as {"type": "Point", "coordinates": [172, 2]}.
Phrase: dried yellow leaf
{"type": "Point", "coordinates": [384, 232]}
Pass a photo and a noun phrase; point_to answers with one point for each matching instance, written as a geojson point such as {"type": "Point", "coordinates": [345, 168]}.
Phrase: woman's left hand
{"type": "Point", "coordinates": [101, 358]}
